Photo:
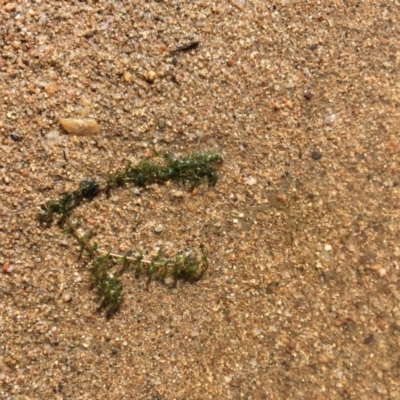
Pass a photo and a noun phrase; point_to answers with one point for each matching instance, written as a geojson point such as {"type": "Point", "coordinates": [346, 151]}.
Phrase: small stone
{"type": "Point", "coordinates": [194, 333]}
{"type": "Point", "coordinates": [227, 379]}
{"type": "Point", "coordinates": [159, 228]}
{"type": "Point", "coordinates": [308, 96]}
{"type": "Point", "coordinates": [128, 78]}
{"type": "Point", "coordinates": [235, 221]}
{"type": "Point", "coordinates": [178, 194]}
{"type": "Point", "coordinates": [150, 76]}
{"type": "Point", "coordinates": [253, 362]}
{"type": "Point", "coordinates": [10, 7]}
{"type": "Point", "coordinates": [330, 119]}
{"type": "Point", "coordinates": [316, 155]}
{"type": "Point", "coordinates": [53, 137]}
{"type": "Point", "coordinates": [239, 4]}
{"type": "Point", "coordinates": [79, 127]}
{"type": "Point", "coordinates": [16, 138]}
{"type": "Point", "coordinates": [256, 331]}
{"type": "Point", "coordinates": [161, 123]}
{"type": "Point", "coordinates": [382, 272]}
{"type": "Point", "coordinates": [67, 298]}
{"type": "Point", "coordinates": [169, 280]}
{"type": "Point", "coordinates": [313, 47]}
{"type": "Point", "coordinates": [281, 197]}
{"type": "Point", "coordinates": [6, 267]}
{"type": "Point", "coordinates": [250, 181]}
{"type": "Point", "coordinates": [328, 247]}
{"type": "Point", "coordinates": [51, 88]}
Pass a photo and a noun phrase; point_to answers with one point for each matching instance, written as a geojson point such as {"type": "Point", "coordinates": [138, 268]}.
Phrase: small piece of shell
{"type": "Point", "coordinates": [80, 127]}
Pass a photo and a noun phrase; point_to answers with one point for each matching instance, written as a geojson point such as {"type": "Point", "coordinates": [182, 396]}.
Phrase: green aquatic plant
{"type": "Point", "coordinates": [106, 267]}
{"type": "Point", "coordinates": [190, 170]}
{"type": "Point", "coordinates": [109, 287]}
{"type": "Point", "coordinates": [64, 206]}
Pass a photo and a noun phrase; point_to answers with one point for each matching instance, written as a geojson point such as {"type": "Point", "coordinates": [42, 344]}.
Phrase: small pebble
{"type": "Point", "coordinates": [313, 47]}
{"type": "Point", "coordinates": [281, 197]}
{"type": "Point", "coordinates": [253, 362]}
{"type": "Point", "coordinates": [382, 272]}
{"type": "Point", "coordinates": [227, 379]}
{"type": "Point", "coordinates": [328, 247]}
{"type": "Point", "coordinates": [316, 155]}
{"type": "Point", "coordinates": [308, 96]}
{"type": "Point", "coordinates": [79, 126]}
{"type": "Point", "coordinates": [159, 228]}
{"type": "Point", "coordinates": [53, 137]}
{"type": "Point", "coordinates": [10, 7]}
{"type": "Point", "coordinates": [250, 181]}
{"type": "Point", "coordinates": [178, 194]}
{"type": "Point", "coordinates": [7, 267]}
{"type": "Point", "coordinates": [256, 331]}
{"type": "Point", "coordinates": [128, 78]}
{"type": "Point", "coordinates": [161, 123]}
{"type": "Point", "coordinates": [51, 88]}
{"type": "Point", "coordinates": [16, 138]}
{"type": "Point", "coordinates": [67, 298]}
{"type": "Point", "coordinates": [150, 76]}
{"type": "Point", "coordinates": [168, 280]}
{"type": "Point", "coordinates": [330, 119]}
{"type": "Point", "coordinates": [194, 333]}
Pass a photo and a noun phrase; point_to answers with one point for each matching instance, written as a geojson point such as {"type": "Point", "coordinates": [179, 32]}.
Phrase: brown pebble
{"type": "Point", "coordinates": [384, 40]}
{"type": "Point", "coordinates": [281, 197]}
{"type": "Point", "coordinates": [80, 127]}
{"type": "Point", "coordinates": [308, 96]}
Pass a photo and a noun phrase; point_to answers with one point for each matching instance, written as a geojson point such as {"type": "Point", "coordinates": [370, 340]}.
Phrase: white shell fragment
{"type": "Point", "coordinates": [79, 126]}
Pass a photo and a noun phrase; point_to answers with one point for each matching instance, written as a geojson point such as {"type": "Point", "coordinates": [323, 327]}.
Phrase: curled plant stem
{"type": "Point", "coordinates": [185, 265]}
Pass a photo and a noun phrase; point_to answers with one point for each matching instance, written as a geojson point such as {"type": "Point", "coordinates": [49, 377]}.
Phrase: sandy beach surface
{"type": "Point", "coordinates": [302, 101]}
